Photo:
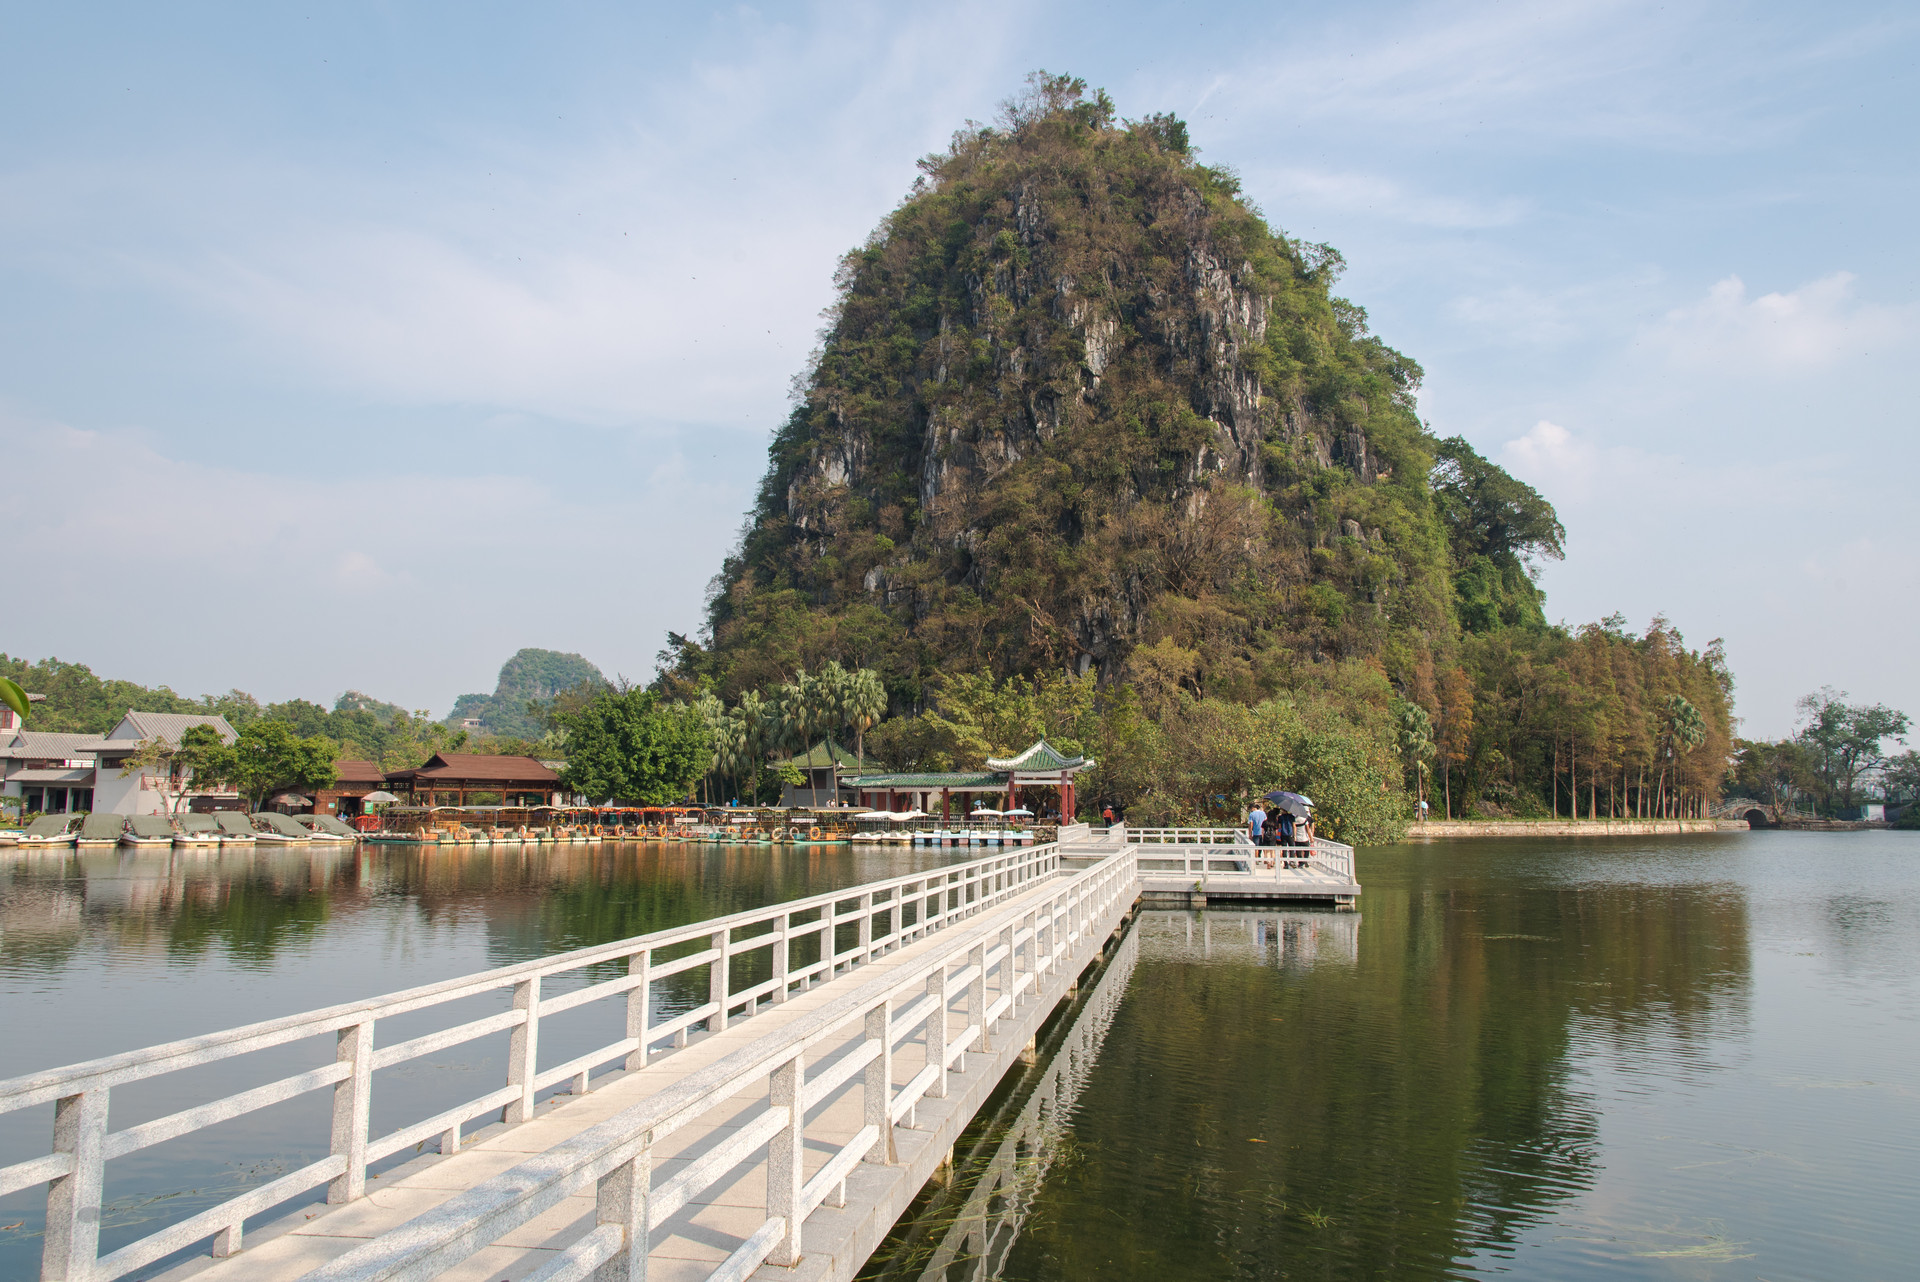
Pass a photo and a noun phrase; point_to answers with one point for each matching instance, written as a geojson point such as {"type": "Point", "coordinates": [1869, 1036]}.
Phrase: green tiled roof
{"type": "Point", "coordinates": [1040, 757]}
{"type": "Point", "coordinates": [824, 754]}
{"type": "Point", "coordinates": [963, 779]}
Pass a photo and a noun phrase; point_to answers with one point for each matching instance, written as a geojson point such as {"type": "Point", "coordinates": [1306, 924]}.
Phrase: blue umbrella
{"type": "Point", "coordinates": [1292, 802]}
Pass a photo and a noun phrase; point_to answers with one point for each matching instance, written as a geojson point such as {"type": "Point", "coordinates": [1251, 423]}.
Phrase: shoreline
{"type": "Point", "coordinates": [1434, 829]}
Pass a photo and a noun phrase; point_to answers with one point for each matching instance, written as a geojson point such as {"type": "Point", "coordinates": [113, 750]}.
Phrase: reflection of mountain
{"type": "Point", "coordinates": [1289, 1093]}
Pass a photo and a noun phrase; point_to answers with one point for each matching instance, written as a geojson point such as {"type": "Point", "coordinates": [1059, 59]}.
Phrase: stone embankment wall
{"type": "Point", "coordinates": [1566, 827]}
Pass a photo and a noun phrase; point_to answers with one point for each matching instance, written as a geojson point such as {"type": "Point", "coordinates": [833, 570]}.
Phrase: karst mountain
{"type": "Point", "coordinates": [1080, 407]}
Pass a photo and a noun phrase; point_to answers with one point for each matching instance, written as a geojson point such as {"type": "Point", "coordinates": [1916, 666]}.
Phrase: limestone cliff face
{"type": "Point", "coordinates": [1073, 381]}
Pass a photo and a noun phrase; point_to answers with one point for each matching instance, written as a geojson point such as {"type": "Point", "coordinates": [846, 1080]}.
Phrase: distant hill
{"type": "Point", "coordinates": [356, 701]}
{"type": "Point", "coordinates": [528, 677]}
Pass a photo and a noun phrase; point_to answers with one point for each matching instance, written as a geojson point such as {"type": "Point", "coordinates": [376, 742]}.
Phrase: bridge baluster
{"type": "Point", "coordinates": [877, 1095]}
{"type": "Point", "coordinates": [523, 1050]}
{"type": "Point", "coordinates": [639, 1003]}
{"type": "Point", "coordinates": [73, 1199]}
{"type": "Point", "coordinates": [353, 1111]}
{"type": "Point", "coordinates": [784, 1154]}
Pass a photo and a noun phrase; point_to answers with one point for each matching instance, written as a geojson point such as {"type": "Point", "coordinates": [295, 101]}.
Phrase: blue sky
{"type": "Point", "coordinates": [360, 347]}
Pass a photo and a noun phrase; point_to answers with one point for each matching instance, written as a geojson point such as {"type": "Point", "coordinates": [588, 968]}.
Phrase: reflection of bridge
{"type": "Point", "coordinates": [984, 1229]}
{"type": "Point", "coordinates": [764, 1095]}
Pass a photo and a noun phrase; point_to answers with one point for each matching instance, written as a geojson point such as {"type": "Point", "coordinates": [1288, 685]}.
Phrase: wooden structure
{"type": "Point", "coordinates": [352, 780]}
{"type": "Point", "coordinates": [454, 778]}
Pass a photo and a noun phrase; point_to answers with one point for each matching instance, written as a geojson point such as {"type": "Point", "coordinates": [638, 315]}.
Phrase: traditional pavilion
{"type": "Point", "coordinates": [1041, 766]}
{"type": "Point", "coordinates": [450, 778]}
{"type": "Point", "coordinates": [822, 768]}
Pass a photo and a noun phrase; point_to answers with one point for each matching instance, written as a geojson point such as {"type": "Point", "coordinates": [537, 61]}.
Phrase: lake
{"type": "Point", "coordinates": [1684, 1057]}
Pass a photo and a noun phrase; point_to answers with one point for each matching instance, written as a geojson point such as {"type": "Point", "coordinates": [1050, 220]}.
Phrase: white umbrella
{"type": "Point", "coordinates": [379, 798]}
{"type": "Point", "coordinates": [1021, 810]}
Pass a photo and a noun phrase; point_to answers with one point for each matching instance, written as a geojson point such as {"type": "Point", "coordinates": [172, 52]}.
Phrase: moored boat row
{"type": "Point", "coordinates": [227, 827]}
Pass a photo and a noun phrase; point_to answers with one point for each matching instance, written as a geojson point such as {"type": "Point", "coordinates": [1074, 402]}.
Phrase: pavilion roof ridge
{"type": "Point", "coordinates": [1042, 756]}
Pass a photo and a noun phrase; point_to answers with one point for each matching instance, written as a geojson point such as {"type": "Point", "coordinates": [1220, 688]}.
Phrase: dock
{"type": "Point", "coordinates": [1197, 866]}
{"type": "Point", "coordinates": [776, 1129]}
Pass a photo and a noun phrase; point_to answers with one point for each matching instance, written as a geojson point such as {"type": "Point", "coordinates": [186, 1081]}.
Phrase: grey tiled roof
{"type": "Point", "coordinates": [49, 743]}
{"type": "Point", "coordinates": [80, 774]}
{"type": "Point", "coordinates": [171, 725]}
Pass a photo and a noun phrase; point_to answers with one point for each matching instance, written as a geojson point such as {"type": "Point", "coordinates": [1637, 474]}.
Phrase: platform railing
{"type": "Point", "coordinates": [1000, 961]}
{"type": "Point", "coordinates": [1214, 851]}
{"type": "Point", "coordinates": [884, 915]}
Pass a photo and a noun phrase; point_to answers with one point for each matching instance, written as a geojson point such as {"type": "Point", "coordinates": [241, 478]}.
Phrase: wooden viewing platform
{"type": "Point", "coordinates": [777, 1129]}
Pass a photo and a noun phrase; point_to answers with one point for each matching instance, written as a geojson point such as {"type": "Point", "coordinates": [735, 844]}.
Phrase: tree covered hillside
{"type": "Point", "coordinates": [1079, 410]}
{"type": "Point", "coordinates": [1078, 398]}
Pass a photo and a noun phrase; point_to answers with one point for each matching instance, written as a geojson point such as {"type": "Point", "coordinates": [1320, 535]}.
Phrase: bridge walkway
{"type": "Point", "coordinates": [972, 996]}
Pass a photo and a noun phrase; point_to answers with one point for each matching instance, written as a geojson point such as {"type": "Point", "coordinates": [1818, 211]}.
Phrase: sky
{"type": "Point", "coordinates": [357, 346]}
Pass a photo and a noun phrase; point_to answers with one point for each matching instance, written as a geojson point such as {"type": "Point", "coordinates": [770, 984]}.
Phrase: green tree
{"type": "Point", "coordinates": [267, 757]}
{"type": "Point", "coordinates": [1900, 777]}
{"type": "Point", "coordinates": [864, 704]}
{"type": "Point", "coordinates": [1495, 525]}
{"type": "Point", "coordinates": [630, 745]}
{"type": "Point", "coordinates": [1414, 731]}
{"type": "Point", "coordinates": [1847, 739]}
{"type": "Point", "coordinates": [1776, 773]}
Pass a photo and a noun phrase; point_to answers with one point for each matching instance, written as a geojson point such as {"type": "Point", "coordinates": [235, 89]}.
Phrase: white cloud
{"type": "Point", "coordinates": [415, 587]}
{"type": "Point", "coordinates": [1806, 330]}
{"type": "Point", "coordinates": [1345, 192]}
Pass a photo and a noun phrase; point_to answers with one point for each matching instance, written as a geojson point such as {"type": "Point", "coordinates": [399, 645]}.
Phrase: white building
{"type": "Point", "coordinates": [148, 791]}
{"type": "Point", "coordinates": [46, 770]}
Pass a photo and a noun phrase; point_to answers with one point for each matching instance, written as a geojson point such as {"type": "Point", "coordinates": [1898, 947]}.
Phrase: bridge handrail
{"type": "Point", "coordinates": [615, 1155]}
{"type": "Point", "coordinates": [1327, 856]}
{"type": "Point", "coordinates": [74, 1171]}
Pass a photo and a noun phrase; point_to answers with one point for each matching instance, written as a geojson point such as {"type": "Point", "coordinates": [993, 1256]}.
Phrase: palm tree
{"type": "Point", "coordinates": [1684, 729]}
{"type": "Point", "coordinates": [754, 714]}
{"type": "Point", "coordinates": [865, 703]}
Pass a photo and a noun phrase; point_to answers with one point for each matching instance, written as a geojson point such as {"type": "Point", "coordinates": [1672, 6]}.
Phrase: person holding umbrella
{"type": "Point", "coordinates": [1296, 812]}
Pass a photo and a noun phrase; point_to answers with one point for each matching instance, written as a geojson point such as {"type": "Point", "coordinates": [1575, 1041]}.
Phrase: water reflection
{"type": "Point", "coordinates": [1397, 1093]}
{"type": "Point", "coordinates": [113, 950]}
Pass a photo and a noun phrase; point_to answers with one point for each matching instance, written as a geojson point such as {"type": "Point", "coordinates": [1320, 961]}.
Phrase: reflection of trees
{"type": "Point", "coordinates": [1383, 1119]}
{"type": "Point", "coordinates": [183, 905]}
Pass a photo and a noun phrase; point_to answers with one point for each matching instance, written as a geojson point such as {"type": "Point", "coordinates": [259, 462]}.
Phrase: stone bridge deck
{"type": "Point", "coordinates": [780, 1142]}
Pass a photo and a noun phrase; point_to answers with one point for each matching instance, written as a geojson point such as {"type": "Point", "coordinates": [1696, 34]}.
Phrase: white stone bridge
{"type": "Point", "coordinates": [776, 1129]}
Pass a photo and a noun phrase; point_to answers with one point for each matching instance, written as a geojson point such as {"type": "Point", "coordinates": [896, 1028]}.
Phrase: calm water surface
{"type": "Point", "coordinates": [114, 950]}
{"type": "Point", "coordinates": [1687, 1058]}
{"type": "Point", "coordinates": [1677, 1058]}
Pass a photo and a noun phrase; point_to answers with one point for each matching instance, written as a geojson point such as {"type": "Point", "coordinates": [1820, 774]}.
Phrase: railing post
{"type": "Point", "coordinates": [717, 982]}
{"type": "Point", "coordinates": [878, 1091]}
{"type": "Point", "coordinates": [784, 1155]}
{"type": "Point", "coordinates": [782, 954]}
{"type": "Point", "coordinates": [639, 1003]}
{"type": "Point", "coordinates": [523, 1049]}
{"type": "Point", "coordinates": [866, 929]}
{"type": "Point", "coordinates": [1009, 967]}
{"type": "Point", "coordinates": [977, 994]}
{"type": "Point", "coordinates": [73, 1199]}
{"type": "Point", "coordinates": [937, 1031]}
{"type": "Point", "coordinates": [621, 1198]}
{"type": "Point", "coordinates": [352, 1111]}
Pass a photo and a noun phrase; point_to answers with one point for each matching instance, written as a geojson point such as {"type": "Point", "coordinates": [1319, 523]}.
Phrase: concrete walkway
{"type": "Point", "coordinates": [838, 1240]}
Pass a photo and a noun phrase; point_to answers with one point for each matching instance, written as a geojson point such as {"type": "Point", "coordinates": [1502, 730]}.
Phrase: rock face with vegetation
{"type": "Point", "coordinates": [1081, 413]}
{"type": "Point", "coordinates": [1078, 399]}
{"type": "Point", "coordinates": [530, 677]}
